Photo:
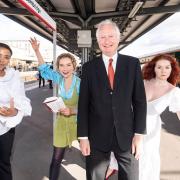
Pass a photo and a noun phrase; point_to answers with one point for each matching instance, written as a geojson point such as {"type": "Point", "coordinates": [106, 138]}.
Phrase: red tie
{"type": "Point", "coordinates": [111, 73]}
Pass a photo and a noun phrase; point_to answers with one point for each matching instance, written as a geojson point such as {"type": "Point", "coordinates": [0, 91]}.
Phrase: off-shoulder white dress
{"type": "Point", "coordinates": [149, 163]}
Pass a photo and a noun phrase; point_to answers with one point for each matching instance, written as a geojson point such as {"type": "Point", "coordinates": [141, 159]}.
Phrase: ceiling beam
{"type": "Point", "coordinates": [90, 7]}
{"type": "Point", "coordinates": [14, 11]}
{"type": "Point", "coordinates": [159, 10]}
{"type": "Point", "coordinates": [93, 19]}
{"type": "Point", "coordinates": [93, 6]}
{"type": "Point", "coordinates": [74, 6]}
{"type": "Point", "coordinates": [74, 18]}
{"type": "Point", "coordinates": [51, 4]}
{"type": "Point", "coordinates": [8, 3]}
{"type": "Point", "coordinates": [145, 31]}
{"type": "Point", "coordinates": [20, 11]}
{"type": "Point", "coordinates": [81, 8]}
{"type": "Point", "coordinates": [118, 5]}
{"type": "Point", "coordinates": [123, 5]}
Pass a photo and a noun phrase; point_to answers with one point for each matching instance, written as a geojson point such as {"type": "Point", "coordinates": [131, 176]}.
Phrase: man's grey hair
{"type": "Point", "coordinates": [107, 22]}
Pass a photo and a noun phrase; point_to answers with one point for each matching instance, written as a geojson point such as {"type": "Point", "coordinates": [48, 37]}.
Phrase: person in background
{"type": "Point", "coordinates": [160, 77]}
{"type": "Point", "coordinates": [41, 79]}
{"type": "Point", "coordinates": [50, 81]}
{"type": "Point", "coordinates": [111, 108]}
{"type": "Point", "coordinates": [14, 105]}
{"type": "Point", "coordinates": [65, 127]}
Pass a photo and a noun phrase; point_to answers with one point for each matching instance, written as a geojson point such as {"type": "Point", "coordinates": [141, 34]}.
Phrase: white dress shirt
{"type": "Point", "coordinates": [106, 61]}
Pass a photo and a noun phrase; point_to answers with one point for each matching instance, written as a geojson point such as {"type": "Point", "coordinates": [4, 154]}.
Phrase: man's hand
{"type": "Point", "coordinates": [9, 112]}
{"type": "Point", "coordinates": [85, 147]}
{"type": "Point", "coordinates": [137, 145]}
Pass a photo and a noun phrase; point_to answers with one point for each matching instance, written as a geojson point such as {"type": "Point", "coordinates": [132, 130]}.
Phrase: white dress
{"type": "Point", "coordinates": [12, 87]}
{"type": "Point", "coordinates": [149, 163]}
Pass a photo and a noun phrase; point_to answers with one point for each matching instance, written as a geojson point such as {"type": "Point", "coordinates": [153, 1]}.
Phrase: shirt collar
{"type": "Point", "coordinates": [106, 58]}
{"type": "Point", "coordinates": [9, 74]}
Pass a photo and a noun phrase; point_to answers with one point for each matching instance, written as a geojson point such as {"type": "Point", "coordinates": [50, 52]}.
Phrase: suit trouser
{"type": "Point", "coordinates": [6, 143]}
{"type": "Point", "coordinates": [97, 163]}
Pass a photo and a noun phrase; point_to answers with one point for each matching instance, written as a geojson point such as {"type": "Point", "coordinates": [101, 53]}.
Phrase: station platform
{"type": "Point", "coordinates": [32, 150]}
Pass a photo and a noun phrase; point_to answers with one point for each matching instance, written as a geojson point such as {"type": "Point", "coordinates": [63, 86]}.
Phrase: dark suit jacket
{"type": "Point", "coordinates": [100, 109]}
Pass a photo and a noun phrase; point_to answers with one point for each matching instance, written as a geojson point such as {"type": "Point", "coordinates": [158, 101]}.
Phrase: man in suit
{"type": "Point", "coordinates": [111, 109]}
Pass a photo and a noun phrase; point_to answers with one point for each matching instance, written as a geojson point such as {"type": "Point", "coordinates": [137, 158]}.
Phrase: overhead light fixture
{"type": "Point", "coordinates": [135, 9]}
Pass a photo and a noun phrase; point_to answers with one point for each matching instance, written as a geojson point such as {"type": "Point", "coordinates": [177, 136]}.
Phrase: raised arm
{"type": "Point", "coordinates": [35, 46]}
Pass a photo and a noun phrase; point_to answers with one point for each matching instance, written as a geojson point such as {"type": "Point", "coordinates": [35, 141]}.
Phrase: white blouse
{"type": "Point", "coordinates": [11, 86]}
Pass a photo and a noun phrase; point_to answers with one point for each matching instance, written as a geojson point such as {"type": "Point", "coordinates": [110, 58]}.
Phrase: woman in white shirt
{"type": "Point", "coordinates": [13, 106]}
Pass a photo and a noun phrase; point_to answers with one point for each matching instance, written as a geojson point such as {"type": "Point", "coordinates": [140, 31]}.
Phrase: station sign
{"type": "Point", "coordinates": [33, 7]}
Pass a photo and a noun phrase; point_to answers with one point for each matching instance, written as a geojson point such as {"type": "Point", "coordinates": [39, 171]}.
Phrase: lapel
{"type": "Point", "coordinates": [120, 72]}
{"type": "Point", "coordinates": [101, 72]}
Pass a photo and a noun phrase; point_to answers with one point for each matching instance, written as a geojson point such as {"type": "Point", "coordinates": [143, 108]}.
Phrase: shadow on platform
{"type": "Point", "coordinates": [171, 123]}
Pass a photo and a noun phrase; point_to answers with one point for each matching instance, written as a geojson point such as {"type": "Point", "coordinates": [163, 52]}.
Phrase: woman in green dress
{"type": "Point", "coordinates": [65, 126]}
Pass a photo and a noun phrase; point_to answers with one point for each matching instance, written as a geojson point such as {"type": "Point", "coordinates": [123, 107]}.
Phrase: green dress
{"type": "Point", "coordinates": [65, 128]}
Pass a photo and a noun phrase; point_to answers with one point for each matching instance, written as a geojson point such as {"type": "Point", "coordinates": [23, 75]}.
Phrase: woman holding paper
{"type": "Point", "coordinates": [14, 105]}
{"type": "Point", "coordinates": [65, 128]}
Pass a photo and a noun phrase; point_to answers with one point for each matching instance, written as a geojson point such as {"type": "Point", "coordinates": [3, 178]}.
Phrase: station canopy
{"type": "Point", "coordinates": [133, 17]}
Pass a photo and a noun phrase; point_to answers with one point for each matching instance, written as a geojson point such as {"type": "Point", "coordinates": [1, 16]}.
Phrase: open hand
{"type": "Point", "coordinates": [137, 145]}
{"type": "Point", "coordinates": [34, 43]}
{"type": "Point", "coordinates": [85, 147]}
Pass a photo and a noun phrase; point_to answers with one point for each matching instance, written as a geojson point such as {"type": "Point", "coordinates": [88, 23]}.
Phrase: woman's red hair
{"type": "Point", "coordinates": [149, 73]}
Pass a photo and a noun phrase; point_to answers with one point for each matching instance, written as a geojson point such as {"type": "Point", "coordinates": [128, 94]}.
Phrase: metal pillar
{"type": "Point", "coordinates": [85, 55]}
{"type": "Point", "coordinates": [54, 67]}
